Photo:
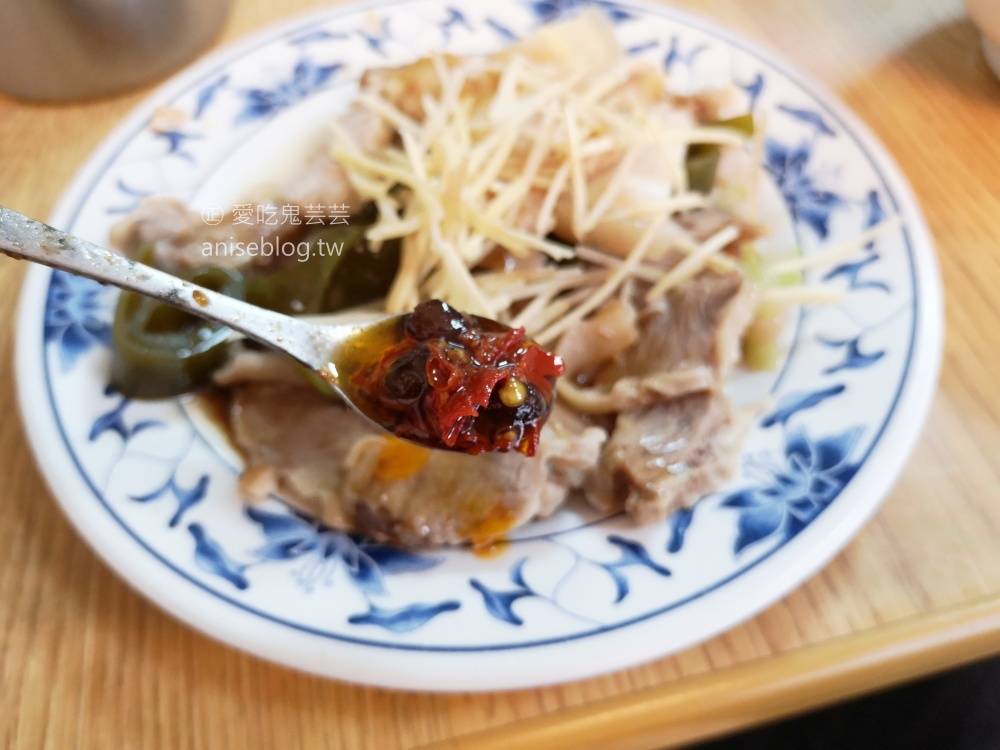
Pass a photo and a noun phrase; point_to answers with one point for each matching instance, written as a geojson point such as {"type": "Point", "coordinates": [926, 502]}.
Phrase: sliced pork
{"type": "Point", "coordinates": [667, 456]}
{"type": "Point", "coordinates": [703, 223]}
{"type": "Point", "coordinates": [687, 345]}
{"type": "Point", "coordinates": [320, 457]}
{"type": "Point", "coordinates": [294, 441]}
{"type": "Point", "coordinates": [288, 210]}
{"type": "Point", "coordinates": [698, 329]}
{"type": "Point", "coordinates": [246, 365]}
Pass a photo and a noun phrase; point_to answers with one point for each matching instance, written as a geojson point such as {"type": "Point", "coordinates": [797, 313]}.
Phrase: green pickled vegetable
{"type": "Point", "coordinates": [363, 276]}
{"type": "Point", "coordinates": [701, 166]}
{"type": "Point", "coordinates": [742, 123]}
{"type": "Point", "coordinates": [761, 339]}
{"type": "Point", "coordinates": [702, 160]}
{"type": "Point", "coordinates": [301, 286]}
{"type": "Point", "coordinates": [761, 355]}
{"type": "Point", "coordinates": [160, 351]}
{"type": "Point", "coordinates": [755, 267]}
{"type": "Point", "coordinates": [339, 271]}
{"type": "Point", "coordinates": [752, 262]}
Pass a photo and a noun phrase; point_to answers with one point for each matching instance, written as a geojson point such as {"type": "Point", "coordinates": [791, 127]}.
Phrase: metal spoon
{"type": "Point", "coordinates": [332, 351]}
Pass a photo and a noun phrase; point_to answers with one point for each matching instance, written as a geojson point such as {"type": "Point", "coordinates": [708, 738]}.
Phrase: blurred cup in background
{"type": "Point", "coordinates": [59, 50]}
{"type": "Point", "coordinates": [986, 14]}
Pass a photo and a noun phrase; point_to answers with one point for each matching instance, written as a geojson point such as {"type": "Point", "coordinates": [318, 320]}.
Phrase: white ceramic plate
{"type": "Point", "coordinates": [151, 486]}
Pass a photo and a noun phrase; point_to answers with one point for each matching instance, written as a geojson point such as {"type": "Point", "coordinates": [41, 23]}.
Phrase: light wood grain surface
{"type": "Point", "coordinates": [86, 662]}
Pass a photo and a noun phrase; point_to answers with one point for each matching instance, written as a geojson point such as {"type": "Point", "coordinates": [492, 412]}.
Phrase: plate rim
{"type": "Point", "coordinates": [915, 395]}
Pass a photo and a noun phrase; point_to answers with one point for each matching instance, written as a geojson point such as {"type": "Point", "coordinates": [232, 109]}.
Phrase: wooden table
{"type": "Point", "coordinates": [86, 662]}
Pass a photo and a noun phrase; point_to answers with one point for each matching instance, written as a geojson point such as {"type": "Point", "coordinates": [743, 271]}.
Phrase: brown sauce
{"type": "Point", "coordinates": [214, 405]}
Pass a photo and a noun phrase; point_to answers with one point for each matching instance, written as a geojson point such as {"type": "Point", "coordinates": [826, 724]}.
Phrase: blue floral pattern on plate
{"type": "Point", "coordinates": [791, 493]}
{"type": "Point", "coordinates": [76, 317]}
{"type": "Point", "coordinates": [163, 477]}
{"type": "Point", "coordinates": [305, 80]}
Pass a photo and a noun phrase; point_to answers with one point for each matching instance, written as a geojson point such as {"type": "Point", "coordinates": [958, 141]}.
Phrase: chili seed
{"type": "Point", "coordinates": [513, 393]}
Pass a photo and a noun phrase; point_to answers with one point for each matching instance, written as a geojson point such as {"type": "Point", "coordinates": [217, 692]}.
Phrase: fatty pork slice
{"type": "Point", "coordinates": [667, 456]}
{"type": "Point", "coordinates": [686, 344]}
{"type": "Point", "coordinates": [293, 441]}
{"type": "Point", "coordinates": [322, 458]}
{"type": "Point", "coordinates": [178, 236]}
{"type": "Point", "coordinates": [697, 331]}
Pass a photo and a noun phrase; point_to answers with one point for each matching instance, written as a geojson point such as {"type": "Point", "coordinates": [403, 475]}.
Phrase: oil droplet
{"type": "Point", "coordinates": [492, 524]}
{"type": "Point", "coordinates": [493, 549]}
{"type": "Point", "coordinates": [199, 297]}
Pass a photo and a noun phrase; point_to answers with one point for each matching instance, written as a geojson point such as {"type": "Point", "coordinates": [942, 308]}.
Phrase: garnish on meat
{"type": "Point", "coordinates": [460, 380]}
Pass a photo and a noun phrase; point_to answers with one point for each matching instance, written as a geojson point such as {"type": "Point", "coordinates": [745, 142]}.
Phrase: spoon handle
{"type": "Point", "coordinates": [22, 237]}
